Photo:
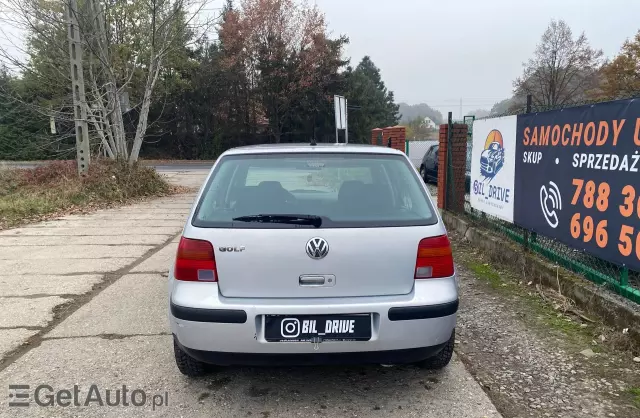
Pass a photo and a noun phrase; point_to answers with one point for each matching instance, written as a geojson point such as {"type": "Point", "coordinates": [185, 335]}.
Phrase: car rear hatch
{"type": "Point", "coordinates": [316, 224]}
{"type": "Point", "coordinates": [274, 263]}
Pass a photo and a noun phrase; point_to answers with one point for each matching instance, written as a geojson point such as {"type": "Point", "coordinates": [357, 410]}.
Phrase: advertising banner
{"type": "Point", "coordinates": [493, 166]}
{"type": "Point", "coordinates": [577, 178]}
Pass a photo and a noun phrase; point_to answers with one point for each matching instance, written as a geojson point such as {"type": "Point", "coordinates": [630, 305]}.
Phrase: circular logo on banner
{"type": "Point", "coordinates": [492, 157]}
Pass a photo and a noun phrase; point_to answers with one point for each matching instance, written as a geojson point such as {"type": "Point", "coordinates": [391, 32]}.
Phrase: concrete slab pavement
{"type": "Point", "coordinates": [76, 251]}
{"type": "Point", "coordinates": [47, 284]}
{"type": "Point", "coordinates": [189, 177]}
{"type": "Point", "coordinates": [14, 337]}
{"type": "Point", "coordinates": [136, 304]}
{"type": "Point", "coordinates": [28, 312]}
{"type": "Point", "coordinates": [69, 260]}
{"type": "Point", "coordinates": [160, 261]}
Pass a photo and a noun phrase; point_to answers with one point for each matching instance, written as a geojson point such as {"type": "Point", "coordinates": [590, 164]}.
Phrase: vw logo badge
{"type": "Point", "coordinates": [317, 248]}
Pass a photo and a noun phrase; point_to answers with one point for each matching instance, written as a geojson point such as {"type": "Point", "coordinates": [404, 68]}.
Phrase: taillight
{"type": "Point", "coordinates": [434, 258]}
{"type": "Point", "coordinates": [195, 261]}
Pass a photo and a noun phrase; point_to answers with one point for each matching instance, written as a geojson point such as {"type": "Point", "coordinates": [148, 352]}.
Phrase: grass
{"type": "Point", "coordinates": [635, 396]}
{"type": "Point", "coordinates": [538, 309]}
{"type": "Point", "coordinates": [56, 188]}
{"type": "Point", "coordinates": [487, 273]}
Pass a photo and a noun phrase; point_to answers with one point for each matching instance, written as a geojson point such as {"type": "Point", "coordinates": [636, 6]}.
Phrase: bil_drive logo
{"type": "Point", "coordinates": [492, 157]}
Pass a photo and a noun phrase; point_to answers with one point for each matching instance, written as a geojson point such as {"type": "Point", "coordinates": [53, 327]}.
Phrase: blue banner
{"type": "Point", "coordinates": [577, 178]}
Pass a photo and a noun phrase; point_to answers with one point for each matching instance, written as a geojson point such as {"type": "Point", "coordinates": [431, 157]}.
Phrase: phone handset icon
{"type": "Point", "coordinates": [550, 200]}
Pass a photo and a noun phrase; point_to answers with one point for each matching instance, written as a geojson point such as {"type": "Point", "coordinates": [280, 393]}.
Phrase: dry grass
{"type": "Point", "coordinates": [55, 188]}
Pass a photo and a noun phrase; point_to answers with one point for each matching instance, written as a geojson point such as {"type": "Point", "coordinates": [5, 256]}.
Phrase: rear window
{"type": "Point", "coordinates": [345, 190]}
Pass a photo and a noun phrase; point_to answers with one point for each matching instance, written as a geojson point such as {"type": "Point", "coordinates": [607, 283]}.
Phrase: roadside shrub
{"type": "Point", "coordinates": [56, 187]}
{"type": "Point", "coordinates": [117, 181]}
{"type": "Point", "coordinates": [52, 172]}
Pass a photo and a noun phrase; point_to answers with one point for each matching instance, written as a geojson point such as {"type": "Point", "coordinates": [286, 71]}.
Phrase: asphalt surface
{"type": "Point", "coordinates": [84, 311]}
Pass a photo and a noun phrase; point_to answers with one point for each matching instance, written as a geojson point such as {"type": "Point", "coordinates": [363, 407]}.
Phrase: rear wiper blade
{"type": "Point", "coordinates": [282, 219]}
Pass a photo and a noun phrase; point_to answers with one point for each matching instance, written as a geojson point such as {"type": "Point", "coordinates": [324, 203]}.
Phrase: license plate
{"type": "Point", "coordinates": [308, 328]}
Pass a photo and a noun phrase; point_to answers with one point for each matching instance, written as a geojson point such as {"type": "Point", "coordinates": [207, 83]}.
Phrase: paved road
{"type": "Point", "coordinates": [84, 302]}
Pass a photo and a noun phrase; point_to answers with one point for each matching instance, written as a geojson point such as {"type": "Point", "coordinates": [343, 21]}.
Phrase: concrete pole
{"type": "Point", "coordinates": [77, 87]}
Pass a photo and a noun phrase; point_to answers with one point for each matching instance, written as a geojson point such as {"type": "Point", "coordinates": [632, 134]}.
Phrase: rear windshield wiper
{"type": "Point", "coordinates": [282, 219]}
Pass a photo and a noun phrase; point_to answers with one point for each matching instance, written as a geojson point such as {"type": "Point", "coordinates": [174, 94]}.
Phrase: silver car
{"type": "Point", "coordinates": [312, 254]}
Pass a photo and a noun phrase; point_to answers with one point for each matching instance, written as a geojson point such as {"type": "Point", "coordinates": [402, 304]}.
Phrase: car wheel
{"type": "Point", "coordinates": [187, 365]}
{"type": "Point", "coordinates": [423, 173]}
{"type": "Point", "coordinates": [440, 360]}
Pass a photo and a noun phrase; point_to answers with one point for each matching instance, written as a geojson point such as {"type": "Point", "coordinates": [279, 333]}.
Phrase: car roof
{"type": "Point", "coordinates": [319, 148]}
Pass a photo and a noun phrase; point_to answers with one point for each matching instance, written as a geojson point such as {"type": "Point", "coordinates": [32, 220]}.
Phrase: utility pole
{"type": "Point", "coordinates": [77, 87]}
{"type": "Point", "coordinates": [461, 108]}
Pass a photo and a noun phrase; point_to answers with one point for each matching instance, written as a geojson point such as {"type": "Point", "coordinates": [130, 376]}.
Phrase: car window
{"type": "Point", "coordinates": [346, 190]}
{"type": "Point", "coordinates": [430, 151]}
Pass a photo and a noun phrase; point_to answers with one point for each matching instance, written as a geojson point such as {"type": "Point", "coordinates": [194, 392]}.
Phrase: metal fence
{"type": "Point", "coordinates": [416, 150]}
{"type": "Point", "coordinates": [620, 279]}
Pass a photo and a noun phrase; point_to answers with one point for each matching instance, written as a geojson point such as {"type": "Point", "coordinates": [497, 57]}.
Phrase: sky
{"type": "Point", "coordinates": [438, 52]}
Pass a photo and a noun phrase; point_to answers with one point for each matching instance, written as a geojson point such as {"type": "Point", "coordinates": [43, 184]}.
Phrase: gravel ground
{"type": "Point", "coordinates": [529, 358]}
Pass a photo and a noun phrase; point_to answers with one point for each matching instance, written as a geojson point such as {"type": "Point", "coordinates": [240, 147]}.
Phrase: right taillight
{"type": "Point", "coordinates": [195, 261]}
{"type": "Point", "coordinates": [434, 258]}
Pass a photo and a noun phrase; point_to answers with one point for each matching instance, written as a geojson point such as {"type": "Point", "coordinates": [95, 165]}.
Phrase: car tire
{"type": "Point", "coordinates": [187, 365]}
{"type": "Point", "coordinates": [423, 173]}
{"type": "Point", "coordinates": [440, 360]}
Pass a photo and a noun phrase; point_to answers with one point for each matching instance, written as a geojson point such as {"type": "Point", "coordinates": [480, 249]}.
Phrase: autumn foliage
{"type": "Point", "coordinates": [282, 48]}
{"type": "Point", "coordinates": [621, 77]}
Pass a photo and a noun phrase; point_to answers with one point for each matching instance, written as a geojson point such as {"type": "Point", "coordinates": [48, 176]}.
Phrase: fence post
{"type": "Point", "coordinates": [449, 178]}
{"type": "Point", "coordinates": [528, 236]}
{"type": "Point", "coordinates": [624, 276]}
{"type": "Point", "coordinates": [406, 146]}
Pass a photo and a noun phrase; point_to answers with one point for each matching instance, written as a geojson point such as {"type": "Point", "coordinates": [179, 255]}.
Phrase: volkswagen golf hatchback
{"type": "Point", "coordinates": [312, 254]}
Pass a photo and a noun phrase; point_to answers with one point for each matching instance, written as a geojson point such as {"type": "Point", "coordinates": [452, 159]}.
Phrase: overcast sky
{"type": "Point", "coordinates": [440, 51]}
{"type": "Point", "coordinates": [437, 52]}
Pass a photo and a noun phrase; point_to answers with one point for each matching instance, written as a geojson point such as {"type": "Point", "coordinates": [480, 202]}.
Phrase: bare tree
{"type": "Point", "coordinates": [562, 68]}
{"type": "Point", "coordinates": [127, 46]}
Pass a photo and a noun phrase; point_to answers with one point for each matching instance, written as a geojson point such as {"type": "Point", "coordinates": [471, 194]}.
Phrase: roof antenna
{"type": "Point", "coordinates": [313, 141]}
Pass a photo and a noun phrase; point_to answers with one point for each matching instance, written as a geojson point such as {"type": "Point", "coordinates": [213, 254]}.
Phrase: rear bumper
{"type": "Point", "coordinates": [204, 321]}
{"type": "Point", "coordinates": [239, 316]}
{"type": "Point", "coordinates": [219, 358]}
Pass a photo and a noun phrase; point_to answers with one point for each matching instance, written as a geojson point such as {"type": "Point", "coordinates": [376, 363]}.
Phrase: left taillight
{"type": "Point", "coordinates": [195, 261]}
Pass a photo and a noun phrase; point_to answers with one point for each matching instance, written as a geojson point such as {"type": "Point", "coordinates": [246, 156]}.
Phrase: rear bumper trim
{"type": "Point", "coordinates": [220, 358]}
{"type": "Point", "coordinates": [221, 316]}
{"type": "Point", "coordinates": [407, 313]}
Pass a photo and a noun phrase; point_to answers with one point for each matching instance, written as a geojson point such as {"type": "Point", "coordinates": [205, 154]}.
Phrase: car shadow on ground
{"type": "Point", "coordinates": [324, 390]}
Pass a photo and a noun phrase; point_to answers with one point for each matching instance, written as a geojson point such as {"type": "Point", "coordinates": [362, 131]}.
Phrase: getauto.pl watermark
{"type": "Point", "coordinates": [46, 395]}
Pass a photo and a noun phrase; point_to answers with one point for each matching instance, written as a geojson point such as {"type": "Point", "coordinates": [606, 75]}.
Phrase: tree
{"type": "Point", "coordinates": [562, 69]}
{"type": "Point", "coordinates": [410, 112]}
{"type": "Point", "coordinates": [377, 107]}
{"type": "Point", "coordinates": [479, 113]}
{"type": "Point", "coordinates": [21, 128]}
{"type": "Point", "coordinates": [621, 77]}
{"type": "Point", "coordinates": [269, 75]}
{"type": "Point", "coordinates": [281, 46]}
{"type": "Point", "coordinates": [417, 129]}
{"type": "Point", "coordinates": [127, 46]}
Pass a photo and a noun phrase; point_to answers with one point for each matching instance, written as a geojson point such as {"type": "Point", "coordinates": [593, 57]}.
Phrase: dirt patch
{"type": "Point", "coordinates": [533, 356]}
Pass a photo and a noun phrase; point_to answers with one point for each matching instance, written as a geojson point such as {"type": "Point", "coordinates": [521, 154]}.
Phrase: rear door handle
{"type": "Point", "coordinates": [317, 280]}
